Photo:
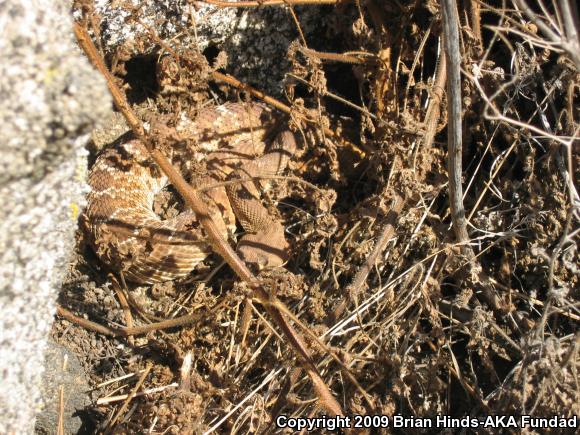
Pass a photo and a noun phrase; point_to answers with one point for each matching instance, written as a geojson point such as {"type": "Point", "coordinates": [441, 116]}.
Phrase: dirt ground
{"type": "Point", "coordinates": [408, 321]}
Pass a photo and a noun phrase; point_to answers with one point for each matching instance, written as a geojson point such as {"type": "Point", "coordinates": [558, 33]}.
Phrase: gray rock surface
{"type": "Point", "coordinates": [62, 369]}
{"type": "Point", "coordinates": [50, 99]}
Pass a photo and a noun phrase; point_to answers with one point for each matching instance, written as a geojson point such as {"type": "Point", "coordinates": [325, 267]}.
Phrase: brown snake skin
{"type": "Point", "coordinates": [229, 141]}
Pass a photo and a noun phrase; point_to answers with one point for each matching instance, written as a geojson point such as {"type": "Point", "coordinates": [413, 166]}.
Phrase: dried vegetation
{"type": "Point", "coordinates": [402, 314]}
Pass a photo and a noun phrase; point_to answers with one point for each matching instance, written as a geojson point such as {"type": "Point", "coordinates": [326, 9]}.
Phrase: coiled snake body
{"type": "Point", "coordinates": [230, 142]}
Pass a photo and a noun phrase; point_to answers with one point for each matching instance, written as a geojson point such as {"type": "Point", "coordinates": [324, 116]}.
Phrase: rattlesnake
{"type": "Point", "coordinates": [229, 141]}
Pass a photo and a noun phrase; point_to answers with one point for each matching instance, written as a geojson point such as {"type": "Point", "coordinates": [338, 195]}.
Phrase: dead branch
{"type": "Point", "coordinates": [136, 330]}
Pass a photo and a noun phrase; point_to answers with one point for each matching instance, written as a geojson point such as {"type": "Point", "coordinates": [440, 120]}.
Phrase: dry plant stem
{"type": "Point", "coordinates": [338, 98]}
{"type": "Point", "coordinates": [454, 138]}
{"type": "Point", "coordinates": [266, 380]}
{"type": "Point", "coordinates": [434, 109]}
{"type": "Point", "coordinates": [466, 386]}
{"type": "Point", "coordinates": [60, 421]}
{"type": "Point", "coordinates": [297, 23]}
{"type": "Point", "coordinates": [185, 372]}
{"type": "Point", "coordinates": [87, 324]}
{"type": "Point", "coordinates": [220, 246]}
{"type": "Point", "coordinates": [454, 128]}
{"type": "Point", "coordinates": [259, 3]}
{"type": "Point", "coordinates": [475, 15]}
{"type": "Point", "coordinates": [557, 250]}
{"type": "Point", "coordinates": [124, 305]}
{"type": "Point", "coordinates": [136, 330]}
{"type": "Point", "coordinates": [334, 57]}
{"type": "Point", "coordinates": [570, 18]}
{"type": "Point", "coordinates": [245, 322]}
{"type": "Point", "coordinates": [130, 397]}
{"type": "Point", "coordinates": [118, 379]}
{"type": "Point", "coordinates": [354, 289]}
{"type": "Point", "coordinates": [346, 370]}
{"type": "Point", "coordinates": [383, 89]}
{"type": "Point", "coordinates": [147, 392]}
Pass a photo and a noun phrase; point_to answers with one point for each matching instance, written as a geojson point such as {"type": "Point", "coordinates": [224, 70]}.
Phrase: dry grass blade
{"type": "Point", "coordinates": [110, 427]}
{"type": "Point", "coordinates": [60, 421]}
{"type": "Point", "coordinates": [146, 392]}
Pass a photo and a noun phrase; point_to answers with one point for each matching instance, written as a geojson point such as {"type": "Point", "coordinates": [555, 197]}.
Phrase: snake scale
{"type": "Point", "coordinates": [229, 143]}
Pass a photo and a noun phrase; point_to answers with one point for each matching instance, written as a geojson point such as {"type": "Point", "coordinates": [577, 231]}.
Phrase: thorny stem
{"type": "Point", "coordinates": [220, 246]}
